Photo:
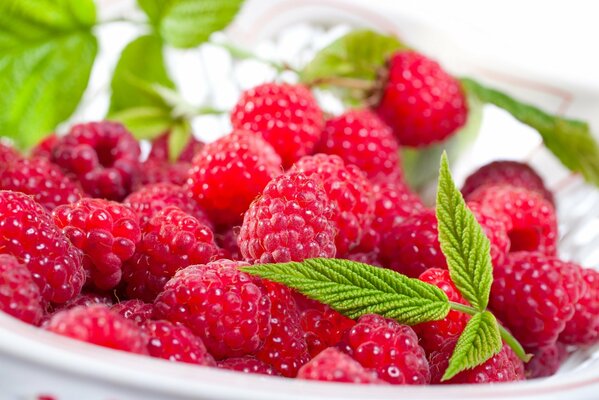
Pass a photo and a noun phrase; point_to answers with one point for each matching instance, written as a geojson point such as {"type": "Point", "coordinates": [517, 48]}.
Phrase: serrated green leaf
{"type": "Point", "coordinates": [479, 341]}
{"type": "Point", "coordinates": [571, 141]}
{"type": "Point", "coordinates": [188, 23]}
{"type": "Point", "coordinates": [355, 289]}
{"type": "Point", "coordinates": [358, 54]}
{"type": "Point", "coordinates": [177, 140]}
{"type": "Point", "coordinates": [46, 54]}
{"type": "Point", "coordinates": [145, 122]}
{"type": "Point", "coordinates": [463, 242]}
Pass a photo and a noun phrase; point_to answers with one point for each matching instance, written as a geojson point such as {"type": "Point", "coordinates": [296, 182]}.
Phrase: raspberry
{"type": "Point", "coordinates": [360, 138]}
{"type": "Point", "coordinates": [159, 150]}
{"type": "Point", "coordinates": [98, 325]}
{"type": "Point", "coordinates": [546, 361]}
{"type": "Point", "coordinates": [412, 246]}
{"type": "Point", "coordinates": [583, 328]}
{"type": "Point", "coordinates": [8, 155]}
{"type": "Point", "coordinates": [148, 200]}
{"type": "Point", "coordinates": [349, 193]}
{"type": "Point", "coordinates": [28, 233]}
{"type": "Point", "coordinates": [87, 299]}
{"type": "Point", "coordinates": [227, 241]}
{"type": "Point", "coordinates": [390, 349]}
{"type": "Point", "coordinates": [103, 156]}
{"type": "Point", "coordinates": [229, 173]}
{"type": "Point", "coordinates": [512, 173]}
{"type": "Point", "coordinates": [324, 327]}
{"type": "Point", "coordinates": [19, 295]}
{"type": "Point", "coordinates": [331, 365]}
{"type": "Point", "coordinates": [421, 102]}
{"type": "Point", "coordinates": [171, 240]}
{"type": "Point", "coordinates": [175, 342]}
{"type": "Point", "coordinates": [530, 219]}
{"type": "Point", "coordinates": [45, 147]}
{"type": "Point", "coordinates": [534, 296]}
{"type": "Point", "coordinates": [290, 221]}
{"type": "Point", "coordinates": [502, 367]}
{"type": "Point", "coordinates": [106, 232]}
{"type": "Point", "coordinates": [156, 171]}
{"type": "Point", "coordinates": [434, 334]}
{"type": "Point", "coordinates": [248, 365]}
{"type": "Point", "coordinates": [225, 307]}
{"type": "Point", "coordinates": [285, 348]}
{"type": "Point", "coordinates": [495, 230]}
{"type": "Point", "coordinates": [287, 116]}
{"type": "Point", "coordinates": [134, 310]}
{"type": "Point", "coordinates": [40, 179]}
{"type": "Point", "coordinates": [394, 202]}
{"type": "Point", "coordinates": [370, 258]}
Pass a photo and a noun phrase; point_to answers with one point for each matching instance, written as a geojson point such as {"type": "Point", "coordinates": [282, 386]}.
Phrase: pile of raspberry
{"type": "Point", "coordinates": [144, 255]}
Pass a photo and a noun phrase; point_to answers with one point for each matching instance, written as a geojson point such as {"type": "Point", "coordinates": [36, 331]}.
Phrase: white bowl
{"type": "Point", "coordinates": [35, 363]}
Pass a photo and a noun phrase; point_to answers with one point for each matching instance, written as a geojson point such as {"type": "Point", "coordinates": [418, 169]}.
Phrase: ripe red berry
{"type": "Point", "coordinates": [87, 299]}
{"type": "Point", "coordinates": [248, 365]}
{"type": "Point", "coordinates": [388, 348]}
{"type": "Point", "coordinates": [534, 296]}
{"type": "Point", "coordinates": [287, 116]}
{"type": "Point", "coordinates": [583, 328]}
{"type": "Point", "coordinates": [175, 342]}
{"type": "Point", "coordinates": [159, 150]}
{"type": "Point", "coordinates": [148, 200]}
{"type": "Point", "coordinates": [433, 335]}
{"type": "Point", "coordinates": [360, 138]}
{"type": "Point", "coordinates": [285, 347]}
{"type": "Point", "coordinates": [19, 295]}
{"type": "Point", "coordinates": [530, 219]}
{"type": "Point", "coordinates": [546, 360]}
{"type": "Point", "coordinates": [28, 233]}
{"type": "Point", "coordinates": [171, 240]}
{"type": "Point", "coordinates": [332, 365]}
{"type": "Point", "coordinates": [349, 193]}
{"type": "Point", "coordinates": [394, 202]}
{"type": "Point", "coordinates": [40, 179]}
{"type": "Point", "coordinates": [229, 173]}
{"type": "Point", "coordinates": [103, 156]}
{"type": "Point", "coordinates": [225, 307]}
{"type": "Point", "coordinates": [156, 171]}
{"type": "Point", "coordinates": [323, 327]}
{"type": "Point", "coordinates": [421, 102]}
{"type": "Point", "coordinates": [290, 221]}
{"type": "Point", "coordinates": [134, 310]}
{"type": "Point", "coordinates": [495, 229]}
{"type": "Point", "coordinates": [98, 325]}
{"type": "Point", "coordinates": [106, 232]}
{"type": "Point", "coordinates": [502, 367]}
{"type": "Point", "coordinates": [8, 155]}
{"type": "Point", "coordinates": [503, 172]}
{"type": "Point", "coordinates": [45, 147]}
{"type": "Point", "coordinates": [227, 242]}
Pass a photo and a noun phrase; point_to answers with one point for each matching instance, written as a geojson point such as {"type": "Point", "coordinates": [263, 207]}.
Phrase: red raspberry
{"type": "Point", "coordinates": [434, 334]}
{"type": "Point", "coordinates": [370, 258]}
{"type": "Point", "coordinates": [394, 202]}
{"type": "Point", "coordinates": [502, 367]}
{"type": "Point", "coordinates": [248, 365]}
{"type": "Point", "coordinates": [156, 171]}
{"type": "Point", "coordinates": [291, 221]}
{"type": "Point", "coordinates": [511, 173]}
{"type": "Point", "coordinates": [227, 241]}
{"type": "Point", "coordinates": [175, 342]}
{"type": "Point", "coordinates": [225, 307]}
{"type": "Point", "coordinates": [134, 310]}
{"type": "Point", "coordinates": [530, 219]}
{"type": "Point", "coordinates": [45, 147]}
{"type": "Point", "coordinates": [171, 240]}
{"type": "Point", "coordinates": [159, 150]}
{"type": "Point", "coordinates": [98, 325]}
{"type": "Point", "coordinates": [360, 138]}
{"type": "Point", "coordinates": [583, 328]}
{"type": "Point", "coordinates": [390, 349]}
{"type": "Point", "coordinates": [8, 155]}
{"type": "Point", "coordinates": [148, 200]}
{"type": "Point", "coordinates": [28, 233]}
{"type": "Point", "coordinates": [495, 230]}
{"type": "Point", "coordinates": [331, 365]}
{"type": "Point", "coordinates": [546, 361]}
{"type": "Point", "coordinates": [349, 192]}
{"type": "Point", "coordinates": [106, 232]}
{"type": "Point", "coordinates": [287, 116]}
{"type": "Point", "coordinates": [40, 179]}
{"type": "Point", "coordinates": [88, 299]}
{"type": "Point", "coordinates": [324, 327]}
{"type": "Point", "coordinates": [285, 348]}
{"type": "Point", "coordinates": [103, 156]}
{"type": "Point", "coordinates": [19, 295]}
{"type": "Point", "coordinates": [421, 102]}
{"type": "Point", "coordinates": [229, 173]}
{"type": "Point", "coordinates": [534, 296]}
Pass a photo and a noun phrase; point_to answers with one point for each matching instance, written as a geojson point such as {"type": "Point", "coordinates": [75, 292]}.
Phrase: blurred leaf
{"type": "Point", "coordinates": [47, 52]}
{"type": "Point", "coordinates": [178, 139]}
{"type": "Point", "coordinates": [145, 122]}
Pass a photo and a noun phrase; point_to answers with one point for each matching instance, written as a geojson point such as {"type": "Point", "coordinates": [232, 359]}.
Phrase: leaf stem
{"type": "Point", "coordinates": [206, 110]}
{"type": "Point", "coordinates": [511, 341]}
{"type": "Point", "coordinates": [347, 83]}
{"type": "Point", "coordinates": [463, 308]}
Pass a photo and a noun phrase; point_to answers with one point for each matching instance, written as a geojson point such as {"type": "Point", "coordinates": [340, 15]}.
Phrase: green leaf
{"type": "Point", "coordinates": [571, 141]}
{"type": "Point", "coordinates": [188, 23]}
{"type": "Point", "coordinates": [359, 54]}
{"type": "Point", "coordinates": [145, 122]}
{"type": "Point", "coordinates": [178, 139]}
{"type": "Point", "coordinates": [355, 289]}
{"type": "Point", "coordinates": [46, 54]}
{"type": "Point", "coordinates": [479, 341]}
{"type": "Point", "coordinates": [463, 242]}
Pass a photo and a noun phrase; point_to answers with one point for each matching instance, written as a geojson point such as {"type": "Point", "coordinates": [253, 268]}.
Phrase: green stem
{"type": "Point", "coordinates": [208, 111]}
{"type": "Point", "coordinates": [347, 83]}
{"type": "Point", "coordinates": [244, 54]}
{"type": "Point", "coordinates": [463, 308]}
